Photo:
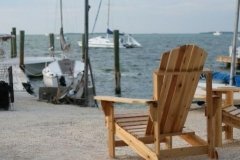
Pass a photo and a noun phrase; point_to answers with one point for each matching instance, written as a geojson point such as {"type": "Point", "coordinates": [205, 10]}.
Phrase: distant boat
{"type": "Point", "coordinates": [125, 40]}
{"type": "Point", "coordinates": [217, 33]}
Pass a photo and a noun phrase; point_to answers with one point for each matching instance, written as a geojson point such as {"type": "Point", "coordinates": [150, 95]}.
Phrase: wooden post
{"type": "Point", "coordinates": [211, 133]}
{"type": "Point", "coordinates": [21, 63]}
{"type": "Point", "coordinates": [86, 16]}
{"type": "Point", "coordinates": [51, 42]}
{"type": "Point", "coordinates": [117, 63]}
{"type": "Point", "coordinates": [12, 55]}
{"type": "Point", "coordinates": [83, 45]}
{"type": "Point", "coordinates": [229, 102]}
{"type": "Point", "coordinates": [14, 42]}
{"type": "Point", "coordinates": [217, 102]}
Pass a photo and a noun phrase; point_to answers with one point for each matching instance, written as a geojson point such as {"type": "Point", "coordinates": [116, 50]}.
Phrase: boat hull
{"type": "Point", "coordinates": [64, 72]}
{"type": "Point", "coordinates": [33, 66]}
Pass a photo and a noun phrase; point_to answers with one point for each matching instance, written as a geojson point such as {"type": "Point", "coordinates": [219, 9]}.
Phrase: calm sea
{"type": "Point", "coordinates": [136, 64]}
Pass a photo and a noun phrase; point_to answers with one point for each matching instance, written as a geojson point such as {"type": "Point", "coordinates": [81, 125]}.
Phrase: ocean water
{"type": "Point", "coordinates": [136, 64]}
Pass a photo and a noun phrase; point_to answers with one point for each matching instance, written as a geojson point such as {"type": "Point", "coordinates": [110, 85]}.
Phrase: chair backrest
{"type": "Point", "coordinates": [174, 85]}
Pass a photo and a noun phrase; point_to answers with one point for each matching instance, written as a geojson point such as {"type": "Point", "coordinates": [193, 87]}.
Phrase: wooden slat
{"type": "Point", "coordinates": [136, 130]}
{"type": "Point", "coordinates": [235, 112]}
{"type": "Point", "coordinates": [135, 127]}
{"type": "Point", "coordinates": [133, 119]}
{"type": "Point", "coordinates": [179, 86]}
{"type": "Point", "coordinates": [230, 109]}
{"type": "Point", "coordinates": [167, 90]}
{"type": "Point", "coordinates": [177, 73]}
{"type": "Point", "coordinates": [230, 119]}
{"type": "Point", "coordinates": [124, 124]}
{"type": "Point", "coordinates": [118, 116]}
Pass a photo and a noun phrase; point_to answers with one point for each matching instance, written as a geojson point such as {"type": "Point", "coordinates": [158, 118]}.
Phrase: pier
{"type": "Point", "coordinates": [227, 60]}
{"type": "Point", "coordinates": [18, 78]}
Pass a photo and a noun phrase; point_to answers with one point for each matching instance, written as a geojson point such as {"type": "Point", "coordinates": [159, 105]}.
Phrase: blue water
{"type": "Point", "coordinates": [136, 64]}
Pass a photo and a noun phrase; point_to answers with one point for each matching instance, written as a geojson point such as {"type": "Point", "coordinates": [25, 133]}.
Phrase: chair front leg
{"type": "Point", "coordinates": [108, 109]}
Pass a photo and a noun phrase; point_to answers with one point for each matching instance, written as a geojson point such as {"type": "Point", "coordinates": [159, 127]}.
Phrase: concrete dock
{"type": "Point", "coordinates": [44, 131]}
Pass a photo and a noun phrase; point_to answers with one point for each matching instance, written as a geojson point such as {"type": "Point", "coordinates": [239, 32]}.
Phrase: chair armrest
{"type": "Point", "coordinates": [124, 100]}
{"type": "Point", "coordinates": [227, 89]}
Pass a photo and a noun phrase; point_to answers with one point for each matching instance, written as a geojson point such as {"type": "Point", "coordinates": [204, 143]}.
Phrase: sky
{"type": "Point", "coordinates": [129, 16]}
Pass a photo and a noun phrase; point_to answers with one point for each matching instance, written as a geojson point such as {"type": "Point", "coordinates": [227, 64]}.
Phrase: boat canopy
{"type": "Point", "coordinates": [111, 32]}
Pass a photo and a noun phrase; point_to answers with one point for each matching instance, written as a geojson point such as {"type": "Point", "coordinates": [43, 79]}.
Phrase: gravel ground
{"type": "Point", "coordinates": [35, 130]}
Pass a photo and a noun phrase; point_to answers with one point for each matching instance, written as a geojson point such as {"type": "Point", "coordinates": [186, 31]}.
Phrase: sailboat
{"type": "Point", "coordinates": [125, 40]}
{"type": "Point", "coordinates": [64, 72]}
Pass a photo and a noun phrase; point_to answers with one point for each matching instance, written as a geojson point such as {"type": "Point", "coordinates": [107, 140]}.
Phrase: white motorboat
{"type": "Point", "coordinates": [125, 41]}
{"type": "Point", "coordinates": [63, 72]}
{"type": "Point", "coordinates": [101, 42]}
{"type": "Point", "coordinates": [217, 33]}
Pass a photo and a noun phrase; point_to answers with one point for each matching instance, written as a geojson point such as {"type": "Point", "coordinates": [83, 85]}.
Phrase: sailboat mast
{"type": "Point", "coordinates": [108, 14]}
{"type": "Point", "coordinates": [235, 34]}
{"type": "Point", "coordinates": [61, 15]}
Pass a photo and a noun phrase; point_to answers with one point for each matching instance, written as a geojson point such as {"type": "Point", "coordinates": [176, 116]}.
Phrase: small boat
{"type": "Point", "coordinates": [217, 33]}
{"type": "Point", "coordinates": [65, 72]}
{"type": "Point", "coordinates": [130, 42]}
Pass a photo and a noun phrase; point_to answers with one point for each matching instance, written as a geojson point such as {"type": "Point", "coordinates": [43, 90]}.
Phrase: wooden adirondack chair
{"type": "Point", "coordinates": [174, 84]}
{"type": "Point", "coordinates": [226, 113]}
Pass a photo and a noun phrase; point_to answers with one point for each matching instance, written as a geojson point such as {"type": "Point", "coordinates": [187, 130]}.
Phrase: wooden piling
{"type": "Point", "coordinates": [83, 45]}
{"type": "Point", "coordinates": [10, 76]}
{"type": "Point", "coordinates": [117, 63]}
{"type": "Point", "coordinates": [21, 56]}
{"type": "Point", "coordinates": [51, 42]}
{"type": "Point", "coordinates": [12, 55]}
{"type": "Point", "coordinates": [14, 42]}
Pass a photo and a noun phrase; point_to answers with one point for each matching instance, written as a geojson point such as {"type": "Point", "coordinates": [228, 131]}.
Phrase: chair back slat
{"type": "Point", "coordinates": [174, 92]}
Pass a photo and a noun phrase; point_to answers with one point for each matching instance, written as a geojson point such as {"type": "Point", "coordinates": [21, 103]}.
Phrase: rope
{"type": "Point", "coordinates": [99, 6]}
